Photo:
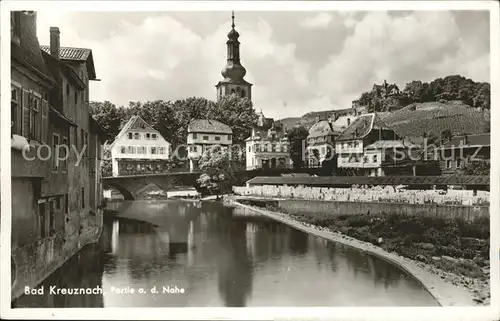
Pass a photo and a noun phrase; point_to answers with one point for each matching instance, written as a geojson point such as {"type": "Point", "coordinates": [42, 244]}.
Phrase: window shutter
{"type": "Point", "coordinates": [45, 123]}
{"type": "Point", "coordinates": [25, 114]}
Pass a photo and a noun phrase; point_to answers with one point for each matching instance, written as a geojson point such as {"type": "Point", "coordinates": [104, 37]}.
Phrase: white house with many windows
{"type": "Point", "coordinates": [139, 148]}
{"type": "Point", "coordinates": [203, 134]}
{"type": "Point", "coordinates": [268, 146]}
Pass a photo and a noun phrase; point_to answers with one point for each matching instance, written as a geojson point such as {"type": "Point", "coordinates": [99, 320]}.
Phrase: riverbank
{"type": "Point", "coordinates": [446, 270]}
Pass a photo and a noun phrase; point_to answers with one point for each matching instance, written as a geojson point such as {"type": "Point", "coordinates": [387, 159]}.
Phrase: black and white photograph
{"type": "Point", "coordinates": [288, 155]}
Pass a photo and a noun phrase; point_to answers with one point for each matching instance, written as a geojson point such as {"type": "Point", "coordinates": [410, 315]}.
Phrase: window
{"type": "Point", "coordinates": [83, 197]}
{"type": "Point", "coordinates": [153, 150]}
{"type": "Point", "coordinates": [66, 203]}
{"type": "Point", "coordinates": [205, 137]}
{"type": "Point", "coordinates": [15, 105]}
{"type": "Point", "coordinates": [55, 152]}
{"type": "Point", "coordinates": [42, 218]}
{"type": "Point", "coordinates": [137, 136]}
{"type": "Point", "coordinates": [217, 137]}
{"type": "Point", "coordinates": [52, 217]}
{"type": "Point", "coordinates": [63, 151]}
{"type": "Point", "coordinates": [195, 136]}
{"type": "Point", "coordinates": [129, 135]}
{"type": "Point", "coordinates": [153, 136]}
{"type": "Point", "coordinates": [123, 150]}
{"type": "Point", "coordinates": [195, 149]}
{"type": "Point", "coordinates": [148, 136]}
{"type": "Point", "coordinates": [375, 158]}
{"type": "Point", "coordinates": [448, 164]}
{"type": "Point", "coordinates": [459, 163]}
{"type": "Point", "coordinates": [34, 117]}
{"type": "Point", "coordinates": [141, 150]}
{"type": "Point", "coordinates": [131, 150]}
{"type": "Point", "coordinates": [249, 148]}
{"type": "Point", "coordinates": [257, 148]}
{"type": "Point", "coordinates": [161, 150]}
{"type": "Point", "coordinates": [229, 137]}
{"type": "Point", "coordinates": [273, 147]}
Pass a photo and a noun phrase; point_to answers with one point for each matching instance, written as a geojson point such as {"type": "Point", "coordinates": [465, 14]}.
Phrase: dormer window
{"type": "Point", "coordinates": [137, 136]}
{"type": "Point", "coordinates": [148, 136]}
{"type": "Point", "coordinates": [129, 135]}
{"type": "Point", "coordinates": [153, 136]}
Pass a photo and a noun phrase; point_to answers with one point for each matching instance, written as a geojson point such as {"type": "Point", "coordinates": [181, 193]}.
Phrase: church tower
{"type": "Point", "coordinates": [233, 72]}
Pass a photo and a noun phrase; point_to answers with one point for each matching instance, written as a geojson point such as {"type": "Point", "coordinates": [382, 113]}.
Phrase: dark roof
{"type": "Point", "coordinates": [28, 52]}
{"type": "Point", "coordinates": [326, 181]}
{"type": "Point", "coordinates": [323, 128]}
{"type": "Point", "coordinates": [54, 65]}
{"type": "Point", "coordinates": [61, 116]}
{"type": "Point", "coordinates": [96, 128]}
{"type": "Point", "coordinates": [208, 126]}
{"type": "Point", "coordinates": [76, 54]}
{"type": "Point", "coordinates": [469, 140]}
{"type": "Point", "coordinates": [362, 126]}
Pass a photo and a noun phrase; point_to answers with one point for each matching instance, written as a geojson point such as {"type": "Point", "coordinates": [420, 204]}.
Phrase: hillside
{"type": "Point", "coordinates": [416, 119]}
{"type": "Point", "coordinates": [433, 118]}
{"type": "Point", "coordinates": [307, 120]}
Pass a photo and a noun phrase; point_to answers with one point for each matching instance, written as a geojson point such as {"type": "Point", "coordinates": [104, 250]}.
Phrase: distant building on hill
{"type": "Point", "coordinates": [455, 154]}
{"type": "Point", "coordinates": [268, 146]}
{"type": "Point", "coordinates": [389, 94]}
{"type": "Point", "coordinates": [203, 134]}
{"type": "Point", "coordinates": [139, 148]}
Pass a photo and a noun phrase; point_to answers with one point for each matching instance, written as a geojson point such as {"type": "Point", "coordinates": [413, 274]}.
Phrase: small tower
{"type": "Point", "coordinates": [233, 72]}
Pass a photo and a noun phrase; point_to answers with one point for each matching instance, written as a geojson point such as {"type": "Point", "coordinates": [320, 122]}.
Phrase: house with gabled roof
{"type": "Point", "coordinates": [267, 146]}
{"type": "Point", "coordinates": [363, 131]}
{"type": "Point", "coordinates": [204, 134]}
{"type": "Point", "coordinates": [139, 148]}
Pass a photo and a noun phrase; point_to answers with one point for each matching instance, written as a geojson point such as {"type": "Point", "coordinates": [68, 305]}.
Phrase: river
{"type": "Point", "coordinates": [220, 256]}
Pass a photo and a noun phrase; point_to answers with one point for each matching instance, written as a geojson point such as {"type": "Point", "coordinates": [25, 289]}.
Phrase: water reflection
{"type": "Point", "coordinates": [223, 257]}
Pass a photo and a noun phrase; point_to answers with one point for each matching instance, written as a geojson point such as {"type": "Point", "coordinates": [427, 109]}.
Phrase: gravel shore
{"type": "Point", "coordinates": [449, 289]}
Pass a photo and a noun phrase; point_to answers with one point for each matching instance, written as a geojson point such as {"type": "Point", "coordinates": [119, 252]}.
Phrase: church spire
{"type": "Point", "coordinates": [233, 72]}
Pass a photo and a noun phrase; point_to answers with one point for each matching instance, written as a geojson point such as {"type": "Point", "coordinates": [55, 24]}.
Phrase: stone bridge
{"type": "Point", "coordinates": [131, 185]}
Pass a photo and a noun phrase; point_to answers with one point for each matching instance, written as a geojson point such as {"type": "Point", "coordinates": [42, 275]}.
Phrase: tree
{"type": "Point", "coordinates": [218, 171]}
{"type": "Point", "coordinates": [446, 135]}
{"type": "Point", "coordinates": [477, 167]}
{"type": "Point", "coordinates": [108, 116]}
{"type": "Point", "coordinates": [106, 166]}
{"type": "Point", "coordinates": [237, 113]}
{"type": "Point", "coordinates": [296, 137]}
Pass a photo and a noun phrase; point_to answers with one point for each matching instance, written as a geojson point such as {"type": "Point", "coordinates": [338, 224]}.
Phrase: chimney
{"type": "Point", "coordinates": [54, 42]}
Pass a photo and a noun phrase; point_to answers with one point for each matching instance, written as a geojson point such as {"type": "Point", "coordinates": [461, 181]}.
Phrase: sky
{"type": "Point", "coordinates": [298, 61]}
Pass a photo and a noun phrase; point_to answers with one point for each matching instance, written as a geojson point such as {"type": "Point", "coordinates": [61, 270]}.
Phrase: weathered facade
{"type": "Point", "coordinates": [456, 153]}
{"type": "Point", "coordinates": [56, 154]}
{"type": "Point", "coordinates": [321, 141]}
{"type": "Point", "coordinates": [268, 146]}
{"type": "Point", "coordinates": [139, 148]}
{"type": "Point", "coordinates": [204, 134]}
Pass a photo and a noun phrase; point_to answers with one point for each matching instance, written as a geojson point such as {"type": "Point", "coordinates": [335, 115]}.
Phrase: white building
{"type": "Point", "coordinates": [139, 148]}
{"type": "Point", "coordinates": [203, 134]}
{"type": "Point", "coordinates": [268, 146]}
{"type": "Point", "coordinates": [321, 141]}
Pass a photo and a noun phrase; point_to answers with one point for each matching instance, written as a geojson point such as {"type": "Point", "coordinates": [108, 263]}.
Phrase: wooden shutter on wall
{"type": "Point", "coordinates": [45, 121]}
{"type": "Point", "coordinates": [25, 114]}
